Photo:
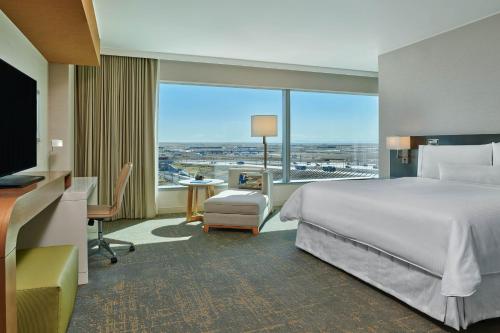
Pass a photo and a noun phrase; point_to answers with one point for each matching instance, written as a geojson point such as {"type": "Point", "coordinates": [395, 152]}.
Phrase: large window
{"type": "Point", "coordinates": [206, 130]}
{"type": "Point", "coordinates": [333, 136]}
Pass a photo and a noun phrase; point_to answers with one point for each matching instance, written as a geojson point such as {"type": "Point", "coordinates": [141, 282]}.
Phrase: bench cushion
{"type": "Point", "coordinates": [240, 220]}
{"type": "Point", "coordinates": [46, 285]}
{"type": "Point", "coordinates": [246, 202]}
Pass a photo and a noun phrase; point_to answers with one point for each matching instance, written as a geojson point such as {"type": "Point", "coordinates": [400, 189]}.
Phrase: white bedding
{"type": "Point", "coordinates": [450, 229]}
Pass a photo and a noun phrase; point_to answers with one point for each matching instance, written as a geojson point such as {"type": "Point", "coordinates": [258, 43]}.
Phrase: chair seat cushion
{"type": "Point", "coordinates": [99, 211]}
{"type": "Point", "coordinates": [46, 286]}
{"type": "Point", "coordinates": [237, 202]}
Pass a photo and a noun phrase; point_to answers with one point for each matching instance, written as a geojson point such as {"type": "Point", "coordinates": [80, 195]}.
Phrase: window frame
{"type": "Point", "coordinates": [286, 122]}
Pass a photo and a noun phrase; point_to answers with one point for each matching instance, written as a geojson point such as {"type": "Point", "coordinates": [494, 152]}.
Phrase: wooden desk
{"type": "Point", "coordinates": [18, 207]}
{"type": "Point", "coordinates": [64, 222]}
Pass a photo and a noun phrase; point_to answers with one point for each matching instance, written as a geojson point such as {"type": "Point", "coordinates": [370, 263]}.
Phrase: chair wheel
{"type": "Point", "coordinates": [131, 248]}
{"type": "Point", "coordinates": [114, 260]}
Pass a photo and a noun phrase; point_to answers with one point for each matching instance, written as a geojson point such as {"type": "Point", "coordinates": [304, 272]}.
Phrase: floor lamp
{"type": "Point", "coordinates": [264, 125]}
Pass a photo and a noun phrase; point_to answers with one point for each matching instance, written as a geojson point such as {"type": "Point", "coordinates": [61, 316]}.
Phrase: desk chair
{"type": "Point", "coordinates": [99, 213]}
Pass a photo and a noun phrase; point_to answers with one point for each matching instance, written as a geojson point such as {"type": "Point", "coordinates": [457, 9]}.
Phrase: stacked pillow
{"type": "Point", "coordinates": [470, 173]}
{"type": "Point", "coordinates": [473, 173]}
{"type": "Point", "coordinates": [430, 156]}
{"type": "Point", "coordinates": [250, 180]}
{"type": "Point", "coordinates": [496, 153]}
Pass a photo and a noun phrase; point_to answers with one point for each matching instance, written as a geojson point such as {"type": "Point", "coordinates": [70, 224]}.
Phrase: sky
{"type": "Point", "coordinates": [194, 113]}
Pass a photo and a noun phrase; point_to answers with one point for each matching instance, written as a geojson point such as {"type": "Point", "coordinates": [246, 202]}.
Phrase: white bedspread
{"type": "Point", "coordinates": [450, 229]}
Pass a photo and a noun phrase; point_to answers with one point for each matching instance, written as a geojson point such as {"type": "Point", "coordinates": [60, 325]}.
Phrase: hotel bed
{"type": "Point", "coordinates": [433, 243]}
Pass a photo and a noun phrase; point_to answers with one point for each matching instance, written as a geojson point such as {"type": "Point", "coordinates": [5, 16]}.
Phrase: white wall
{"type": "Point", "coordinates": [448, 84]}
{"type": "Point", "coordinates": [231, 75]}
{"type": "Point", "coordinates": [16, 50]}
{"type": "Point", "coordinates": [174, 200]}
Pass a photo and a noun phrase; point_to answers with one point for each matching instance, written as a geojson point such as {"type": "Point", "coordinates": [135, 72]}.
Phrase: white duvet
{"type": "Point", "coordinates": [450, 229]}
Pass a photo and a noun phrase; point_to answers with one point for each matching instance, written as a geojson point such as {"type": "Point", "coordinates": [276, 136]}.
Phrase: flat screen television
{"type": "Point", "coordinates": [18, 120]}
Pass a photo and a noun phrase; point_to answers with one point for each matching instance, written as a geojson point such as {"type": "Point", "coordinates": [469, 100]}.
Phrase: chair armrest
{"type": "Point", "coordinates": [267, 186]}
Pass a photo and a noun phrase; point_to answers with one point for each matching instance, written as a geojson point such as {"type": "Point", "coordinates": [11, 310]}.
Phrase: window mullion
{"type": "Point", "coordinates": [285, 154]}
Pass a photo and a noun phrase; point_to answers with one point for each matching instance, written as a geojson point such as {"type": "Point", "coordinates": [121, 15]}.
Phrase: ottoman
{"type": "Point", "coordinates": [46, 286]}
{"type": "Point", "coordinates": [237, 209]}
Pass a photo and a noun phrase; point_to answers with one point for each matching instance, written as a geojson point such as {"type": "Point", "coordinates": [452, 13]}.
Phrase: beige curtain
{"type": "Point", "coordinates": [114, 124]}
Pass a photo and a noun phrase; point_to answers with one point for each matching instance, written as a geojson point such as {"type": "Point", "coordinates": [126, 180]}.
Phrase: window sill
{"type": "Point", "coordinates": [180, 187]}
{"type": "Point", "coordinates": [292, 182]}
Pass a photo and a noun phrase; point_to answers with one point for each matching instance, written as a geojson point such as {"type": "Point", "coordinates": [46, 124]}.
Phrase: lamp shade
{"type": "Point", "coordinates": [57, 143]}
{"type": "Point", "coordinates": [398, 142]}
{"type": "Point", "coordinates": [264, 125]}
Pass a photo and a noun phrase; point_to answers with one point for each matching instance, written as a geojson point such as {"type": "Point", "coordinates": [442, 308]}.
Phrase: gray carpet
{"type": "Point", "coordinates": [180, 279]}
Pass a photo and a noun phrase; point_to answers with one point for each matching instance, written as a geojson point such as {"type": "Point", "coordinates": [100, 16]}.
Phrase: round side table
{"type": "Point", "coordinates": [192, 199]}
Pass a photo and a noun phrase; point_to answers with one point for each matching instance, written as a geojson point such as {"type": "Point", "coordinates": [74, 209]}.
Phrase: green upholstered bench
{"type": "Point", "coordinates": [46, 285]}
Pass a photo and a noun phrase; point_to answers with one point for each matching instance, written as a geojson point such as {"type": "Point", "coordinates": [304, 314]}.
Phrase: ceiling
{"type": "Point", "coordinates": [322, 33]}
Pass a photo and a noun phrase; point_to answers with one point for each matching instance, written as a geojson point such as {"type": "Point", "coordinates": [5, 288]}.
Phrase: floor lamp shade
{"type": "Point", "coordinates": [264, 125]}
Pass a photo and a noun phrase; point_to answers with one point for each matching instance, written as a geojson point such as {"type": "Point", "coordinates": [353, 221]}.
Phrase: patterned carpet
{"type": "Point", "coordinates": [180, 279]}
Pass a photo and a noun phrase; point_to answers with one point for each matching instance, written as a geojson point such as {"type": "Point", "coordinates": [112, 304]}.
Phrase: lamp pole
{"type": "Point", "coordinates": [265, 152]}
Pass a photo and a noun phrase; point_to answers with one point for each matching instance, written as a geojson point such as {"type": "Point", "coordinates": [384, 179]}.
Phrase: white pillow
{"type": "Point", "coordinates": [496, 153]}
{"type": "Point", "coordinates": [250, 180]}
{"type": "Point", "coordinates": [430, 156]}
{"type": "Point", "coordinates": [470, 173]}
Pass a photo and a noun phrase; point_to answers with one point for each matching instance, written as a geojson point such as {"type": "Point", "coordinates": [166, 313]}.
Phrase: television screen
{"type": "Point", "coordinates": [18, 120]}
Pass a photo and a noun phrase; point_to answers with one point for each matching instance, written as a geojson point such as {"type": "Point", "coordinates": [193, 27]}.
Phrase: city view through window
{"type": "Point", "coordinates": [206, 130]}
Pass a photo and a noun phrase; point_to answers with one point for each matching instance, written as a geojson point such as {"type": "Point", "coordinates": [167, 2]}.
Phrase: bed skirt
{"type": "Point", "coordinates": [411, 284]}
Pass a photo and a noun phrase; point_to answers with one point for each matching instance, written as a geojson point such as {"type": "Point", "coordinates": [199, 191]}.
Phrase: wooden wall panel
{"type": "Point", "coordinates": [18, 207]}
{"type": "Point", "coordinates": [64, 32]}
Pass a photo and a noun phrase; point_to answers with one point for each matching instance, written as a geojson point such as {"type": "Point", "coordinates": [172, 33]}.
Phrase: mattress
{"type": "Point", "coordinates": [448, 229]}
{"type": "Point", "coordinates": [411, 284]}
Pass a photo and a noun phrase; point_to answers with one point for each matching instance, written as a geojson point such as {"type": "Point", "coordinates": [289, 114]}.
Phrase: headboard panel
{"type": "Point", "coordinates": [397, 169]}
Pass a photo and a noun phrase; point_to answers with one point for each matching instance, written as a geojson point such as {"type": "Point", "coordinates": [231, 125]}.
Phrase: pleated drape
{"type": "Point", "coordinates": [115, 124]}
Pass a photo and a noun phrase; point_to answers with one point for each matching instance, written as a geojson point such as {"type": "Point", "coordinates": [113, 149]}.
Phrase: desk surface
{"type": "Point", "coordinates": [17, 207]}
{"type": "Point", "coordinates": [81, 189]}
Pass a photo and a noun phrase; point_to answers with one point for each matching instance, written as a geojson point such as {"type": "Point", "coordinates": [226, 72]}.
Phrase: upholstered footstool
{"type": "Point", "coordinates": [46, 286]}
{"type": "Point", "coordinates": [239, 209]}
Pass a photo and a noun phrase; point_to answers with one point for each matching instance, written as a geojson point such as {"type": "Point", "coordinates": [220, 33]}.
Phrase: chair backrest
{"type": "Point", "coordinates": [120, 186]}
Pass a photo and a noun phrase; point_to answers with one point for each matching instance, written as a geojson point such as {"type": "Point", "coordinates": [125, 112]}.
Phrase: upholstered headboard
{"type": "Point", "coordinates": [397, 169]}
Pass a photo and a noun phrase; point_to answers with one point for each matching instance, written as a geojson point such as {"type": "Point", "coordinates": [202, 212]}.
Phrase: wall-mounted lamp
{"type": "Point", "coordinates": [402, 144]}
{"type": "Point", "coordinates": [56, 143]}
